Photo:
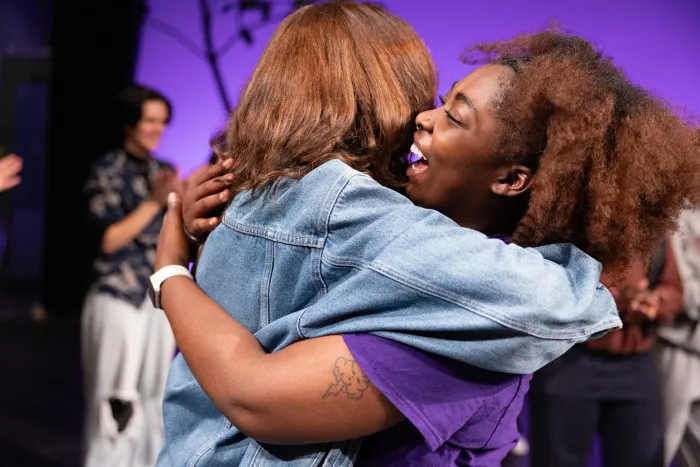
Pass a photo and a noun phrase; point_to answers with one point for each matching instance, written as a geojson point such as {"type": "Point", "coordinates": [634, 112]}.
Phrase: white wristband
{"type": "Point", "coordinates": [156, 280]}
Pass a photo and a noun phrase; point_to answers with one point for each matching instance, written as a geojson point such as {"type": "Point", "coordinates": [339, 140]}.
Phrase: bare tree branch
{"type": "Point", "coordinates": [234, 38]}
{"type": "Point", "coordinates": [211, 54]}
{"type": "Point", "coordinates": [175, 34]}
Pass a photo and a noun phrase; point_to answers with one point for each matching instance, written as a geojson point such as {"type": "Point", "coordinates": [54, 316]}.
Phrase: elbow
{"type": "Point", "coordinates": [108, 248]}
{"type": "Point", "coordinates": [249, 424]}
{"type": "Point", "coordinates": [109, 245]}
{"type": "Point", "coordinates": [254, 418]}
{"type": "Point", "coordinates": [252, 423]}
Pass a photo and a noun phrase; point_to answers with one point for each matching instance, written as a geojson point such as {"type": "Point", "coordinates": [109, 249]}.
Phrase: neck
{"type": "Point", "coordinates": [135, 149]}
{"type": "Point", "coordinates": [489, 226]}
{"type": "Point", "coordinates": [491, 219]}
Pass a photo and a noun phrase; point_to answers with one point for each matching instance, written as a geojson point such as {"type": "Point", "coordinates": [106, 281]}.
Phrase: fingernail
{"type": "Point", "coordinates": [213, 222]}
{"type": "Point", "coordinates": [223, 196]}
{"type": "Point", "coordinates": [172, 198]}
{"type": "Point", "coordinates": [228, 177]}
{"type": "Point", "coordinates": [228, 163]}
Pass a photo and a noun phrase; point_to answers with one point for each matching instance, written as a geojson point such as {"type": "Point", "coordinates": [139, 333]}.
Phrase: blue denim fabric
{"type": "Point", "coordinates": [335, 253]}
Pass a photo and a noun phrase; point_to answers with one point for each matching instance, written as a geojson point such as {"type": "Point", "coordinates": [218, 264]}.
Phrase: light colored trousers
{"type": "Point", "coordinates": [126, 353]}
{"type": "Point", "coordinates": [680, 383]}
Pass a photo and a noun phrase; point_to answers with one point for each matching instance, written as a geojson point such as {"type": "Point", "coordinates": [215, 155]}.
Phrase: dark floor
{"type": "Point", "coordinates": [41, 399]}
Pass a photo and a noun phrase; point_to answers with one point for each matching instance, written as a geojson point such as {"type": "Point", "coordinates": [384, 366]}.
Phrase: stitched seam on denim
{"type": "Point", "coordinates": [333, 454]}
{"type": "Point", "coordinates": [352, 451]}
{"type": "Point", "coordinates": [262, 455]}
{"type": "Point", "coordinates": [205, 448]}
{"type": "Point", "coordinates": [318, 458]}
{"type": "Point", "coordinates": [463, 302]}
{"type": "Point", "coordinates": [338, 457]}
{"type": "Point", "coordinates": [257, 456]}
{"type": "Point", "coordinates": [329, 214]}
{"type": "Point", "coordinates": [266, 283]}
{"type": "Point", "coordinates": [280, 237]}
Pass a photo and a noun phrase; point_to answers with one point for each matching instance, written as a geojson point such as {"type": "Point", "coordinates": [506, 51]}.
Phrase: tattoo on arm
{"type": "Point", "coordinates": [349, 380]}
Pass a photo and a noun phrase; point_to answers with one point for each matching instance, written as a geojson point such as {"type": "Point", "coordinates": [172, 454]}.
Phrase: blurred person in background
{"type": "Point", "coordinates": [679, 353]}
{"type": "Point", "coordinates": [610, 385]}
{"type": "Point", "coordinates": [10, 167]}
{"type": "Point", "coordinates": [127, 345]}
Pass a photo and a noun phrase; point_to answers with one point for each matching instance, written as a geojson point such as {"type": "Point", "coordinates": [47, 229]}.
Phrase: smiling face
{"type": "Point", "coordinates": [145, 137]}
{"type": "Point", "coordinates": [459, 174]}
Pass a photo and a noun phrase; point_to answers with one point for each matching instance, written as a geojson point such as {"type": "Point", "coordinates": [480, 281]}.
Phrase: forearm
{"type": "Point", "coordinates": [293, 396]}
{"type": "Point", "coordinates": [219, 351]}
{"type": "Point", "coordinates": [122, 232]}
{"type": "Point", "coordinates": [669, 289]}
{"type": "Point", "coordinates": [670, 303]}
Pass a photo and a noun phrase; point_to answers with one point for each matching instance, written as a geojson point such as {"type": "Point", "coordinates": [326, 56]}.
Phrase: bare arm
{"type": "Point", "coordinates": [669, 289]}
{"type": "Point", "coordinates": [310, 392]}
{"type": "Point", "coordinates": [10, 167]}
{"type": "Point", "coordinates": [122, 232]}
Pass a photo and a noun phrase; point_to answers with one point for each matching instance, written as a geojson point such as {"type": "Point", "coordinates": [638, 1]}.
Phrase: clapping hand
{"type": "Point", "coordinates": [10, 167]}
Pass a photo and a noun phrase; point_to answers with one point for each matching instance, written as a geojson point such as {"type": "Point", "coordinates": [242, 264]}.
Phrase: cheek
{"type": "Point", "coordinates": [153, 133]}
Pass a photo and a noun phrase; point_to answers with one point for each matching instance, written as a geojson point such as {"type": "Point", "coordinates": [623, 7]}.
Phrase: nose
{"type": "Point", "coordinates": [424, 121]}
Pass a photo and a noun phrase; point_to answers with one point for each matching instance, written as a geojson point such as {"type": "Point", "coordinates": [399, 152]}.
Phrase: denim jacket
{"type": "Point", "coordinates": [335, 252]}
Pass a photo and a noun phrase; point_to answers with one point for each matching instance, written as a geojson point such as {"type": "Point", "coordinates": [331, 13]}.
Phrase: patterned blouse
{"type": "Point", "coordinates": [117, 184]}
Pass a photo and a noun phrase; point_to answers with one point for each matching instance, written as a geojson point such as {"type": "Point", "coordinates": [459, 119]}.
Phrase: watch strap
{"type": "Point", "coordinates": [161, 275]}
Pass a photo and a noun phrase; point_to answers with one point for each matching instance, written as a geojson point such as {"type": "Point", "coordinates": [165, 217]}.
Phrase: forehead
{"type": "Point", "coordinates": [482, 84]}
{"type": "Point", "coordinates": [154, 109]}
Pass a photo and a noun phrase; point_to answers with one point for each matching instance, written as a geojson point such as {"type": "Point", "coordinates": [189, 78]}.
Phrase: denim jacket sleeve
{"type": "Point", "coordinates": [413, 275]}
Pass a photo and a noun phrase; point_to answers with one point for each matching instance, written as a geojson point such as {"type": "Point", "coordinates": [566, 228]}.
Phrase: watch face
{"type": "Point", "coordinates": [152, 294]}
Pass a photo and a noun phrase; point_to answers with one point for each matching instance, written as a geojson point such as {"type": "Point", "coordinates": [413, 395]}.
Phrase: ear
{"type": "Point", "coordinates": [513, 180]}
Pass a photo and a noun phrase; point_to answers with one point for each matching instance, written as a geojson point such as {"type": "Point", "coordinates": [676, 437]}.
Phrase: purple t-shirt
{"type": "Point", "coordinates": [457, 414]}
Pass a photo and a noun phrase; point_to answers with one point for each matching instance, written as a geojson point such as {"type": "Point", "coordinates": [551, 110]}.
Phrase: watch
{"type": "Point", "coordinates": [156, 280]}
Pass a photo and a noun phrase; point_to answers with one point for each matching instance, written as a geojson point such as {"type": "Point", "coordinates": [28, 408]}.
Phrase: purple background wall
{"type": "Point", "coordinates": [656, 41]}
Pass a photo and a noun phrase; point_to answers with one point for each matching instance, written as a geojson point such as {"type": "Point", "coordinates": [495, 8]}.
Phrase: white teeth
{"type": "Point", "coordinates": [414, 166]}
{"type": "Point", "coordinates": [416, 151]}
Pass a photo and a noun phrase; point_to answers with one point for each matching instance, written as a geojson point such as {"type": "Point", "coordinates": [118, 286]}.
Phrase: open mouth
{"type": "Point", "coordinates": [417, 162]}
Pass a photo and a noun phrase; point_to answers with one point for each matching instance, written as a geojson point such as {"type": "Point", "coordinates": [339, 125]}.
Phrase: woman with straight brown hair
{"type": "Point", "coordinates": [314, 243]}
{"type": "Point", "coordinates": [359, 89]}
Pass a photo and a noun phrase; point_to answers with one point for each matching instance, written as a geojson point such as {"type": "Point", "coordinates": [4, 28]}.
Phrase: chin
{"type": "Point", "coordinates": [414, 194]}
{"type": "Point", "coordinates": [152, 146]}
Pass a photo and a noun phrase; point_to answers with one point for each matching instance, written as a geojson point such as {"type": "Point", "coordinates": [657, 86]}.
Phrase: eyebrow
{"type": "Point", "coordinates": [465, 100]}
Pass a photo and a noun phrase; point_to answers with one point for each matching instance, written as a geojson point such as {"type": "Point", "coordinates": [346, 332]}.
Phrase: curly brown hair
{"type": "Point", "coordinates": [614, 165]}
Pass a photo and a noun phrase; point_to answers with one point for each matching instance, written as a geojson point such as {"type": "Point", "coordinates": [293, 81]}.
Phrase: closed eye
{"type": "Point", "coordinates": [447, 112]}
{"type": "Point", "coordinates": [449, 115]}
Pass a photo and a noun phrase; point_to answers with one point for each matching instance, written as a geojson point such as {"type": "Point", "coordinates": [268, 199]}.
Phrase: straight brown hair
{"type": "Point", "coordinates": [340, 80]}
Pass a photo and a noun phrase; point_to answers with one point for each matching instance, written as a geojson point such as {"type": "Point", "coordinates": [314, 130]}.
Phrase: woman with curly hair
{"type": "Point", "coordinates": [544, 143]}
